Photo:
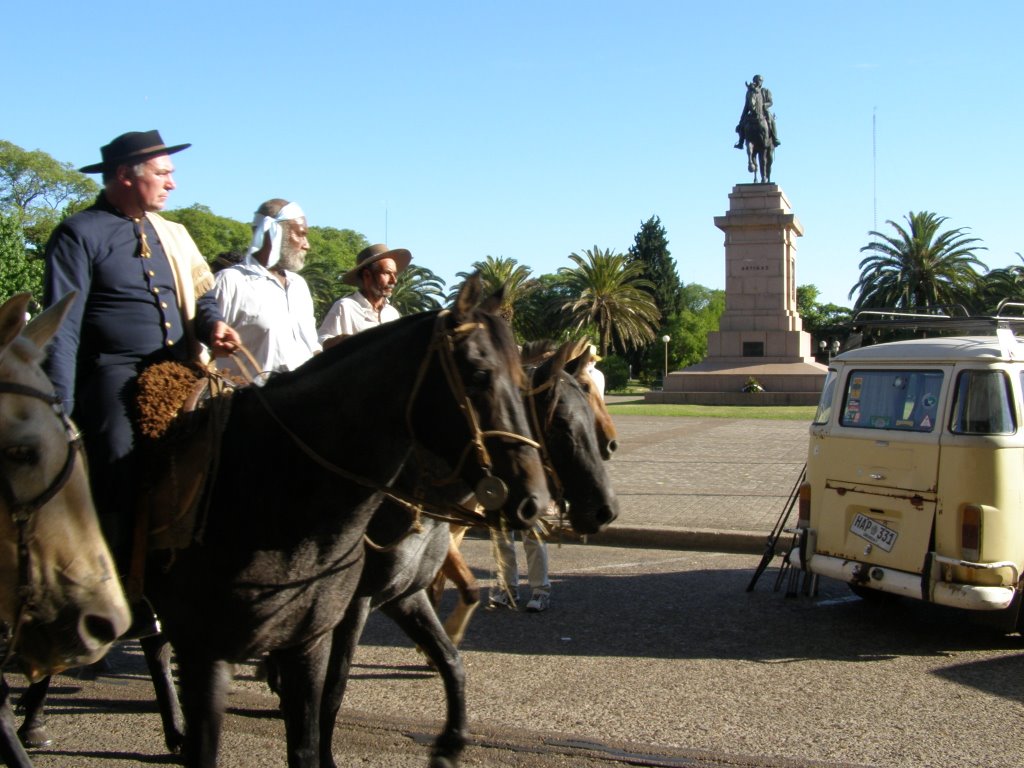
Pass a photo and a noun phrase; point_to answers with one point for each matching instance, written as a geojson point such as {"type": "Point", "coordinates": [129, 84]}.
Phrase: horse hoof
{"type": "Point", "coordinates": [35, 738]}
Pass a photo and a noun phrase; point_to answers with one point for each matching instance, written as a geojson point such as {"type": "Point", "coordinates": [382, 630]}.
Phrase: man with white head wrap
{"type": "Point", "coordinates": [265, 299]}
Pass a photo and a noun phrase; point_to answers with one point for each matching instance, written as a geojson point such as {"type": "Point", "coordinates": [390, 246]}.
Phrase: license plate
{"type": "Point", "coordinates": [873, 531]}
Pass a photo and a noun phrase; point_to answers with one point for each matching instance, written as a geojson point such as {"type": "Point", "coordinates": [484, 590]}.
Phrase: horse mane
{"type": "Point", "coordinates": [353, 345]}
{"type": "Point", "coordinates": [535, 352]}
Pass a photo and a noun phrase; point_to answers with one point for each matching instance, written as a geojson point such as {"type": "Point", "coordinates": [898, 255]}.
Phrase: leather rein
{"type": "Point", "coordinates": [21, 512]}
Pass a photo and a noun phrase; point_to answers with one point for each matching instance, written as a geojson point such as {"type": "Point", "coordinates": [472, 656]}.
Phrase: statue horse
{"type": "Point", "coordinates": [303, 463]}
{"type": "Point", "coordinates": [757, 137]}
{"type": "Point", "coordinates": [59, 592]}
{"type": "Point", "coordinates": [396, 576]}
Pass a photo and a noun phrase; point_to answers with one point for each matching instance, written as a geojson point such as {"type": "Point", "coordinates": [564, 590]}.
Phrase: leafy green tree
{"type": "Point", "coordinates": [919, 266]}
{"type": "Point", "coordinates": [40, 190]}
{"type": "Point", "coordinates": [819, 317]}
{"type": "Point", "coordinates": [418, 289]}
{"type": "Point", "coordinates": [608, 297]}
{"type": "Point", "coordinates": [212, 234]}
{"type": "Point", "coordinates": [497, 273]}
{"type": "Point", "coordinates": [701, 309]}
{"type": "Point", "coordinates": [19, 270]}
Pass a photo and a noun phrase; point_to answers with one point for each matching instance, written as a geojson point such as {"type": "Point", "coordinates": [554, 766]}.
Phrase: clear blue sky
{"type": "Point", "coordinates": [532, 129]}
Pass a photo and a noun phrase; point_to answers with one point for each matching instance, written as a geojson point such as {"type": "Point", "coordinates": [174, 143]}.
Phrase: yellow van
{"type": "Point", "coordinates": [915, 468]}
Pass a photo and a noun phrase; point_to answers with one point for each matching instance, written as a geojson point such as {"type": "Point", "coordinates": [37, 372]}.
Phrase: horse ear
{"type": "Point", "coordinates": [493, 302]}
{"type": "Point", "coordinates": [12, 317]}
{"type": "Point", "coordinates": [469, 295]}
{"type": "Point", "coordinates": [577, 356]}
{"type": "Point", "coordinates": [42, 327]}
{"type": "Point", "coordinates": [561, 357]}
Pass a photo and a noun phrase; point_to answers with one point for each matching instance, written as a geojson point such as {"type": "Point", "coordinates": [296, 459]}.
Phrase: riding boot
{"type": "Point", "coordinates": [738, 144]}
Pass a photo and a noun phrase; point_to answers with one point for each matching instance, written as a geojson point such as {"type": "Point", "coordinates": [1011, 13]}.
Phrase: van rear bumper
{"type": "Point", "coordinates": [968, 596]}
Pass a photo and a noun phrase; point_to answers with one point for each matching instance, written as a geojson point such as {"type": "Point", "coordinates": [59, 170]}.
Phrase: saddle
{"type": "Point", "coordinates": [181, 414]}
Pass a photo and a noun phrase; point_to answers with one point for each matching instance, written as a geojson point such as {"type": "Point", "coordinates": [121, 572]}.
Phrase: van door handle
{"type": "Point", "coordinates": [876, 476]}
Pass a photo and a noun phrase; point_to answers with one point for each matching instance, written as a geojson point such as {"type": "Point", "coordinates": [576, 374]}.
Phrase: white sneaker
{"type": "Point", "coordinates": [540, 601]}
{"type": "Point", "coordinates": [499, 598]}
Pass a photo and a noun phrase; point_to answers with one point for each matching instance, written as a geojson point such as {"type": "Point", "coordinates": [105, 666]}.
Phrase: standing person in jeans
{"type": "Point", "coordinates": [506, 592]}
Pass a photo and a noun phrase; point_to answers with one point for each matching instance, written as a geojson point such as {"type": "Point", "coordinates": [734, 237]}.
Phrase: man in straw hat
{"type": "Point", "coordinates": [143, 297]}
{"type": "Point", "coordinates": [375, 274]}
{"type": "Point", "coordinates": [265, 299]}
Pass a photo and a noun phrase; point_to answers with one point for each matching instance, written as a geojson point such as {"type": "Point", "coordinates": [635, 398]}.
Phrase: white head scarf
{"type": "Point", "coordinates": [264, 225]}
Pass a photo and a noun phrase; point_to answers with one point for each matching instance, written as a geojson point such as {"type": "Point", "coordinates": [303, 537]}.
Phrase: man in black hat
{"type": "Point", "coordinates": [375, 274]}
{"type": "Point", "coordinates": [142, 297]}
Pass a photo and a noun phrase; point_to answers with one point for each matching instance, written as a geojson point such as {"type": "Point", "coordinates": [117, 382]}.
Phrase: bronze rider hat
{"type": "Point", "coordinates": [373, 253]}
{"type": "Point", "coordinates": [132, 147]}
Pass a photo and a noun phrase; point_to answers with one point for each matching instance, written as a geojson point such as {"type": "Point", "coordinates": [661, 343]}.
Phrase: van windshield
{"type": "Point", "coordinates": [982, 405]}
{"type": "Point", "coordinates": [905, 400]}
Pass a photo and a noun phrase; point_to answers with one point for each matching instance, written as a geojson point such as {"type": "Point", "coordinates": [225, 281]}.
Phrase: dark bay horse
{"type": "Point", "coordinates": [59, 592]}
{"type": "Point", "coordinates": [396, 577]}
{"type": "Point", "coordinates": [757, 137]}
{"type": "Point", "coordinates": [561, 404]}
{"type": "Point", "coordinates": [302, 465]}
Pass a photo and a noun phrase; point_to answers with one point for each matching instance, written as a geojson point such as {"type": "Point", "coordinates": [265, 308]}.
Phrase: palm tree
{"type": "Point", "coordinates": [919, 266]}
{"type": "Point", "coordinates": [497, 273]}
{"type": "Point", "coordinates": [1004, 283]}
{"type": "Point", "coordinates": [609, 295]}
{"type": "Point", "coordinates": [418, 289]}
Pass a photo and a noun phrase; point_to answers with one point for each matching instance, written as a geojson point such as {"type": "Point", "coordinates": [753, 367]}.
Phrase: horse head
{"type": "Point", "coordinates": [59, 590]}
{"type": "Point", "coordinates": [479, 365]}
{"type": "Point", "coordinates": [577, 434]}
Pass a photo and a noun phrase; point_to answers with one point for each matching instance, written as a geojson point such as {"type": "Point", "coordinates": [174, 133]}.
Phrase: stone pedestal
{"type": "Point", "coordinates": [760, 334]}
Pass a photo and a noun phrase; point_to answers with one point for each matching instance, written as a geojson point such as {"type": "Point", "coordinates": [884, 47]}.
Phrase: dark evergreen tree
{"type": "Point", "coordinates": [650, 248]}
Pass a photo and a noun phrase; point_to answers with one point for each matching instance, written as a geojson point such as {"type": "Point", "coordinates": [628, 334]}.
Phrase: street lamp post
{"type": "Point", "coordinates": [831, 348]}
{"type": "Point", "coordinates": [666, 338]}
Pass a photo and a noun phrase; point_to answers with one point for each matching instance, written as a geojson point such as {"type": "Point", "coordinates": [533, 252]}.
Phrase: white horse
{"type": "Point", "coordinates": [60, 599]}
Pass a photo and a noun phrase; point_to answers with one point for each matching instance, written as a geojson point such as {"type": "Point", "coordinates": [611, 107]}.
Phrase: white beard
{"type": "Point", "coordinates": [293, 259]}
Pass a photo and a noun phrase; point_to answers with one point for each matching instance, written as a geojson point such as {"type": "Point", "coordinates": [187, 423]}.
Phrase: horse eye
{"type": "Point", "coordinates": [480, 378]}
{"type": "Point", "coordinates": [21, 454]}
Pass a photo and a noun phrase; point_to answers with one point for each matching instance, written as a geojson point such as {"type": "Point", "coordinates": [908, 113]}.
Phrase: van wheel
{"type": "Point", "coordinates": [870, 595]}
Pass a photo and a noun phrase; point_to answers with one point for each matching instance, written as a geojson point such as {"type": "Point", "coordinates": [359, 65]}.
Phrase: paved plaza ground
{"type": "Point", "coordinates": [703, 482]}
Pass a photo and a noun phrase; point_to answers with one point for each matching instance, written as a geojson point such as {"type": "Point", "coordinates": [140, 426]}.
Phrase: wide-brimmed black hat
{"type": "Point", "coordinates": [132, 147]}
{"type": "Point", "coordinates": [374, 253]}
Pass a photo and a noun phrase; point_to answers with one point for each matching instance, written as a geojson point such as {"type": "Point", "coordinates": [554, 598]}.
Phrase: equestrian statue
{"type": "Point", "coordinates": [756, 130]}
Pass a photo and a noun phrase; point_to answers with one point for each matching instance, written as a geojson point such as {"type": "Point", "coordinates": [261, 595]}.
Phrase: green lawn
{"type": "Point", "coordinates": [781, 412]}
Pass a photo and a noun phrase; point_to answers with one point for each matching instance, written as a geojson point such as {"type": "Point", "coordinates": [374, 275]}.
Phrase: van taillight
{"type": "Point", "coordinates": [804, 507]}
{"type": "Point", "coordinates": [970, 533]}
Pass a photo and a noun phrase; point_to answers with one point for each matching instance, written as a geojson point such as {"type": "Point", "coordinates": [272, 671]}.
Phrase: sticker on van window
{"type": "Point", "coordinates": [926, 423]}
{"type": "Point", "coordinates": [855, 386]}
{"type": "Point", "coordinates": [928, 401]}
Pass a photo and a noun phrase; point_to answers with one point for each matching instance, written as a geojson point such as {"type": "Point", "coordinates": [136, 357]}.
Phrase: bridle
{"type": "Point", "coordinates": [22, 512]}
{"type": "Point", "coordinates": [491, 491]}
{"type": "Point", "coordinates": [540, 429]}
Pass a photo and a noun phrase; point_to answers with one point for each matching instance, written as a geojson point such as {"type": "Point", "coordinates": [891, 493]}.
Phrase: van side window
{"type": "Point", "coordinates": [828, 393]}
{"type": "Point", "coordinates": [982, 404]}
{"type": "Point", "coordinates": [905, 400]}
